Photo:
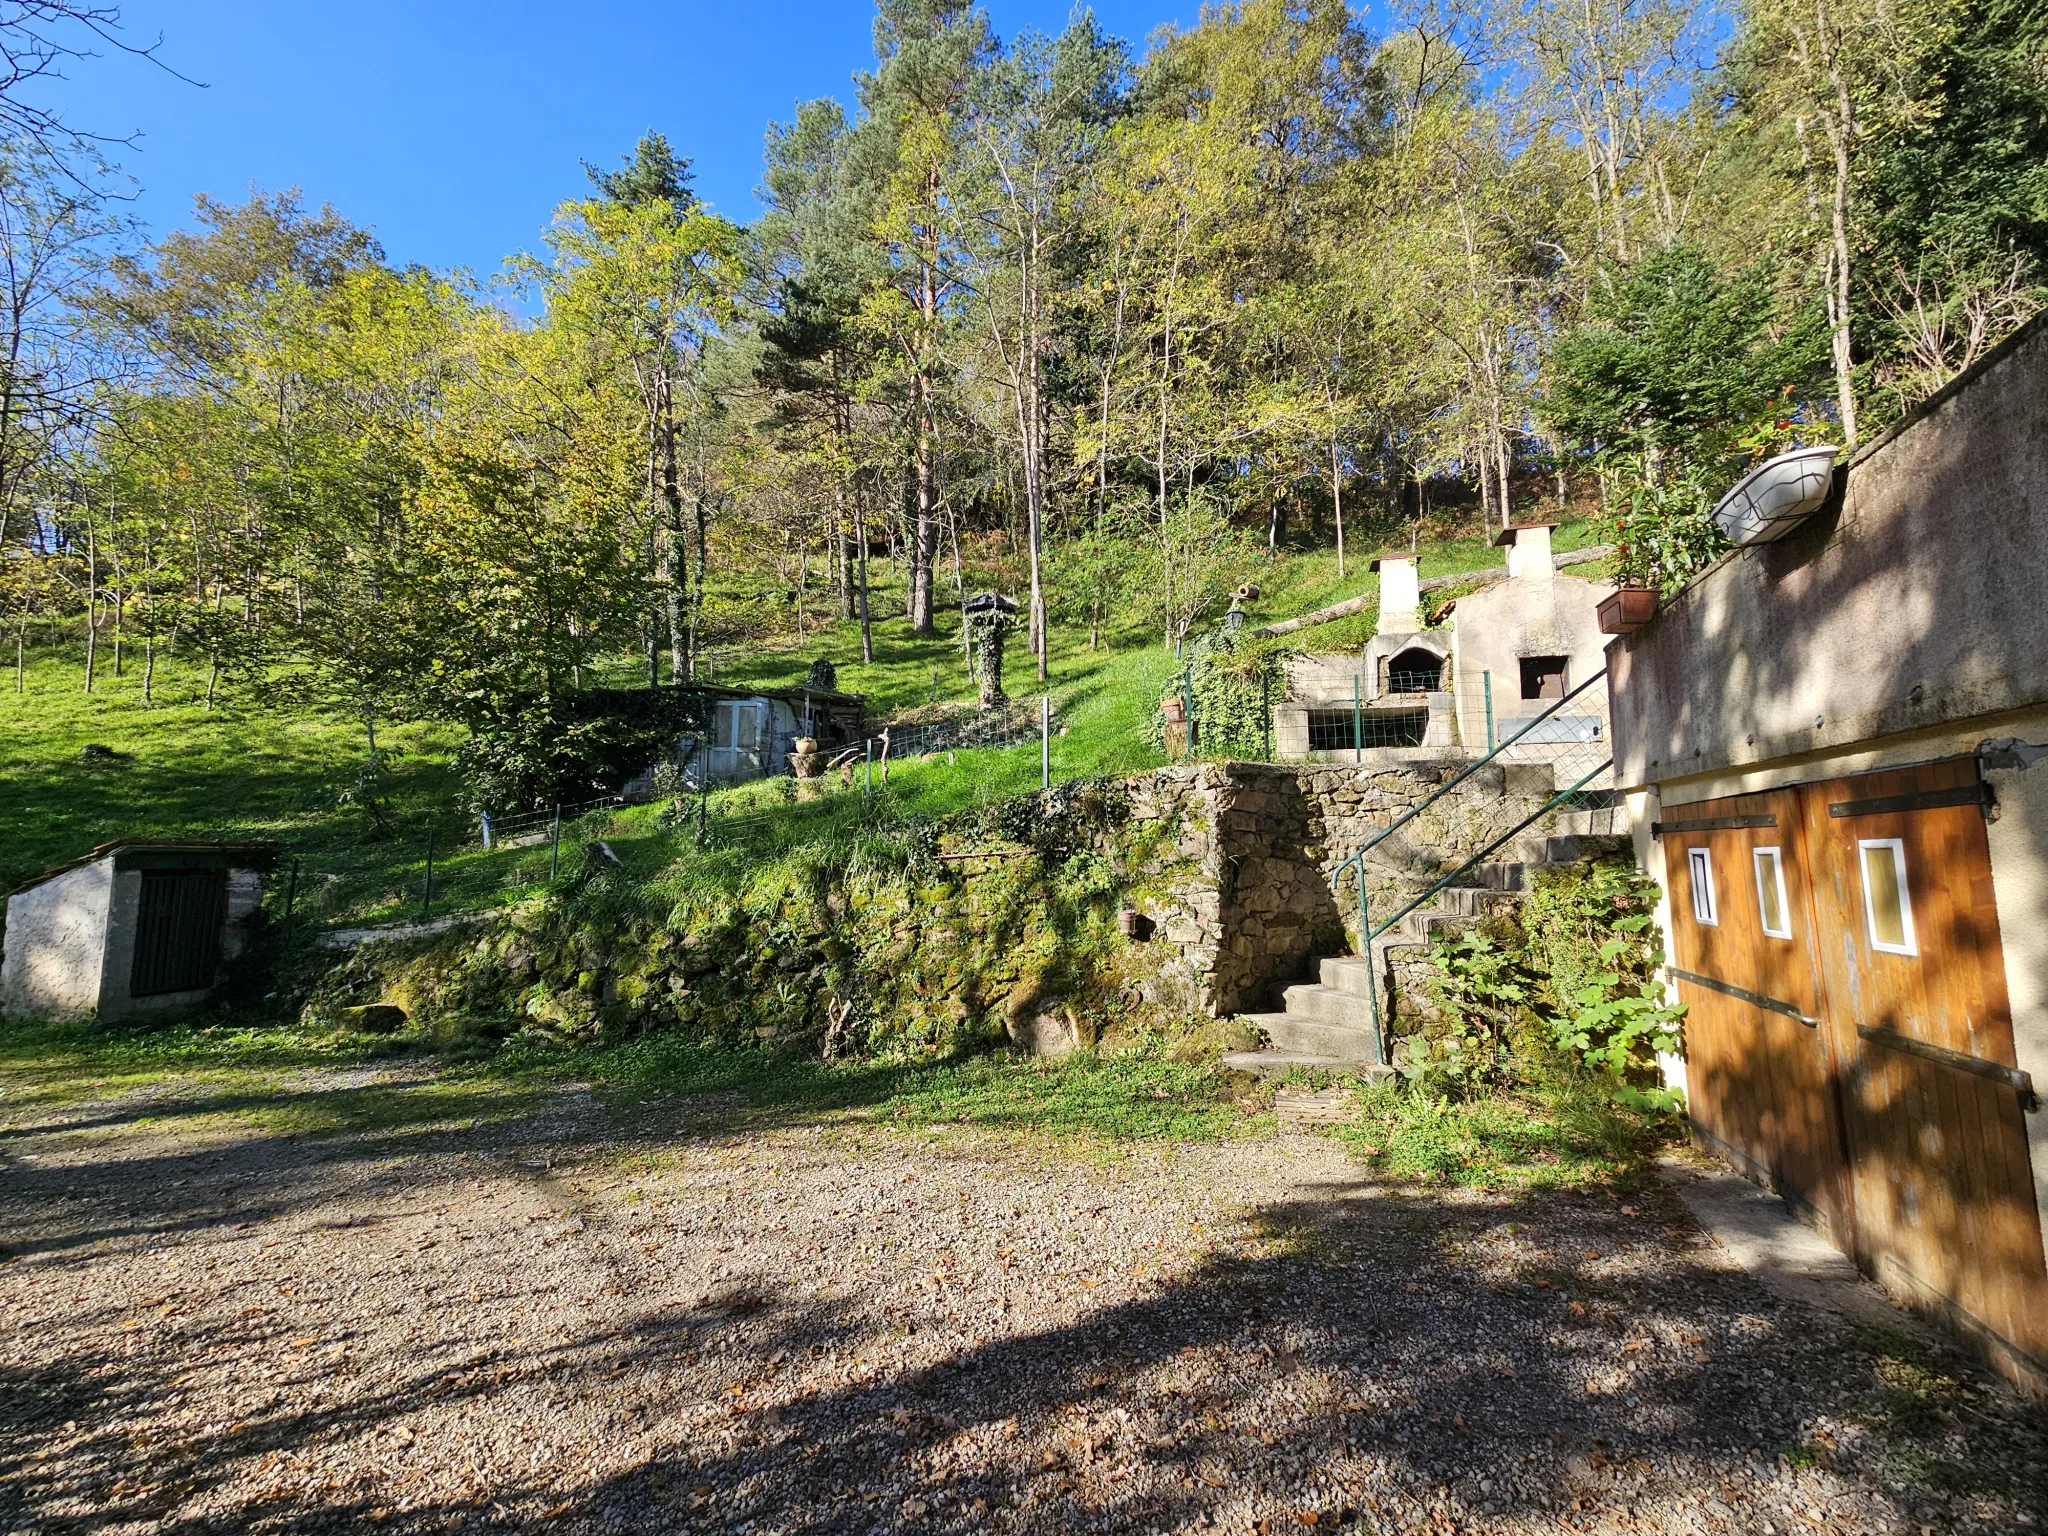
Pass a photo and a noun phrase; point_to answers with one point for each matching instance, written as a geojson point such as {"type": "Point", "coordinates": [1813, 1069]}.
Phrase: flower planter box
{"type": "Point", "coordinates": [1627, 610]}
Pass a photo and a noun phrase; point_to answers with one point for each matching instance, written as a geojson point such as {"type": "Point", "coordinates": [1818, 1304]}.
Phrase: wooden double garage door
{"type": "Point", "coordinates": [1848, 1035]}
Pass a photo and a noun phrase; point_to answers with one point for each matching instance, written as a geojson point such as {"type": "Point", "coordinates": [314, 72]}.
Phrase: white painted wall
{"type": "Point", "coordinates": [56, 950]}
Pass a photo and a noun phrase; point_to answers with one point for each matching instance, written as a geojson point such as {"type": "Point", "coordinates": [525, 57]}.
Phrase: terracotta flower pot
{"type": "Point", "coordinates": [1627, 610]}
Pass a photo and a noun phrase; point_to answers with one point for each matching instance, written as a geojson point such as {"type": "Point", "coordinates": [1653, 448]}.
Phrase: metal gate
{"type": "Point", "coordinates": [177, 931]}
{"type": "Point", "coordinates": [1849, 1036]}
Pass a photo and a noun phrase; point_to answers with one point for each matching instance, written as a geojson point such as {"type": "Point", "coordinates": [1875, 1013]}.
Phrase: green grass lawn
{"type": "Point", "coordinates": [259, 764]}
{"type": "Point", "coordinates": [259, 1073]}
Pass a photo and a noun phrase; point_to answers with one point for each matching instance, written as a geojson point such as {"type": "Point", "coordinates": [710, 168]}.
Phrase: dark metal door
{"type": "Point", "coordinates": [177, 931]}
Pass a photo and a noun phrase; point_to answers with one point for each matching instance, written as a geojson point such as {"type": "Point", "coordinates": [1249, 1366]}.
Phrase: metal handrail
{"type": "Point", "coordinates": [1480, 857]}
{"type": "Point", "coordinates": [1441, 790]}
{"type": "Point", "coordinates": [1355, 862]}
{"type": "Point", "coordinates": [1368, 933]}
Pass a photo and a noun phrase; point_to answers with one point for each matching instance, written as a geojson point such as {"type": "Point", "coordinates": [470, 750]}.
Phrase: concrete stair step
{"type": "Point", "coordinates": [1535, 851]}
{"type": "Point", "coordinates": [1280, 1063]}
{"type": "Point", "coordinates": [1607, 821]}
{"type": "Point", "coordinates": [1496, 877]}
{"type": "Point", "coordinates": [1306, 1034]}
{"type": "Point", "coordinates": [1347, 973]}
{"type": "Point", "coordinates": [1314, 1001]}
{"type": "Point", "coordinates": [1585, 845]}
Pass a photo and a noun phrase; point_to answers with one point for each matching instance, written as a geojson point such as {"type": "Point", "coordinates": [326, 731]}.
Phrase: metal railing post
{"type": "Point", "coordinates": [427, 896]}
{"type": "Point", "coordinates": [868, 753]}
{"type": "Point", "coordinates": [1187, 692]}
{"type": "Point", "coordinates": [1045, 741]}
{"type": "Point", "coordinates": [1372, 985]}
{"type": "Point", "coordinates": [1357, 723]}
{"type": "Point", "coordinates": [555, 844]}
{"type": "Point", "coordinates": [1486, 684]}
{"type": "Point", "coordinates": [1266, 712]}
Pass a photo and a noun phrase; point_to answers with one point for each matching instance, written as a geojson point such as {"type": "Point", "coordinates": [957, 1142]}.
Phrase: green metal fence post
{"type": "Point", "coordinates": [868, 751]}
{"type": "Point", "coordinates": [1486, 685]}
{"type": "Point", "coordinates": [1372, 986]}
{"type": "Point", "coordinates": [427, 896]}
{"type": "Point", "coordinates": [555, 844]}
{"type": "Point", "coordinates": [1187, 700]}
{"type": "Point", "coordinates": [1266, 712]}
{"type": "Point", "coordinates": [1045, 741]}
{"type": "Point", "coordinates": [1357, 723]}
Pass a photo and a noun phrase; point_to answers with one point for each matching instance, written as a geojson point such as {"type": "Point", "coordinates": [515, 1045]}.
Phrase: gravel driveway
{"type": "Point", "coordinates": [616, 1316]}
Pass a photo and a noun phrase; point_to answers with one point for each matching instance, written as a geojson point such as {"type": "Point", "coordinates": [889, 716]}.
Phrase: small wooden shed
{"type": "Point", "coordinates": [136, 926]}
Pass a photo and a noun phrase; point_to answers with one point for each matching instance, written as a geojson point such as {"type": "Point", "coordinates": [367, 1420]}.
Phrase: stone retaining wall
{"type": "Point", "coordinates": [1253, 905]}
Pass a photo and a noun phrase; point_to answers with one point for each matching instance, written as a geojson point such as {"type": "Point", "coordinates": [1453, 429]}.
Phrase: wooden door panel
{"type": "Point", "coordinates": [1762, 1080]}
{"type": "Point", "coordinates": [1943, 1189]}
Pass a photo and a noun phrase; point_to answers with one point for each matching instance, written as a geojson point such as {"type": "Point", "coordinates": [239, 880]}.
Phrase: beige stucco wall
{"type": "Point", "coordinates": [1912, 601]}
{"type": "Point", "coordinates": [1901, 624]}
{"type": "Point", "coordinates": [55, 954]}
{"type": "Point", "coordinates": [1528, 615]}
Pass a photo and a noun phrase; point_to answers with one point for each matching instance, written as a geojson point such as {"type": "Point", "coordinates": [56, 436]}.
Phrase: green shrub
{"type": "Point", "coordinates": [1483, 988]}
{"type": "Point", "coordinates": [1592, 936]}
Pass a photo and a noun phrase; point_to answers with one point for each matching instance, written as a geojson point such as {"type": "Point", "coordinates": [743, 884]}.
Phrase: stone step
{"type": "Point", "coordinates": [1280, 1063]}
{"type": "Point", "coordinates": [1607, 821]}
{"type": "Point", "coordinates": [1535, 851]}
{"type": "Point", "coordinates": [1307, 1034]}
{"type": "Point", "coordinates": [1314, 1001]}
{"type": "Point", "coordinates": [1497, 877]}
{"type": "Point", "coordinates": [1346, 973]}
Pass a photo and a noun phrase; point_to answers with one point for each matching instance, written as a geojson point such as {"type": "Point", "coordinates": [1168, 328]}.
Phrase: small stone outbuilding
{"type": "Point", "coordinates": [137, 926]}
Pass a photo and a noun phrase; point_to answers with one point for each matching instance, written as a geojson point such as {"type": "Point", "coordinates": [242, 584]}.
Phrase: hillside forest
{"type": "Point", "coordinates": [1104, 325]}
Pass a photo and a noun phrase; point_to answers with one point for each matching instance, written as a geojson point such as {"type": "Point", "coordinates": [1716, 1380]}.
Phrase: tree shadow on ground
{"type": "Point", "coordinates": [1378, 1354]}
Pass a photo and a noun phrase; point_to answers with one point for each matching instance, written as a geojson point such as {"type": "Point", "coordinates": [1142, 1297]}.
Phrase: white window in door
{"type": "Point", "coordinates": [1770, 893]}
{"type": "Point", "coordinates": [1699, 863]}
{"type": "Point", "coordinates": [1887, 904]}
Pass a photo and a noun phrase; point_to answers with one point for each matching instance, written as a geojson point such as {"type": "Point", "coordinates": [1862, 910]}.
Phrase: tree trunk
{"type": "Point", "coordinates": [650, 622]}
{"type": "Point", "coordinates": [92, 601]}
{"type": "Point", "coordinates": [691, 637]}
{"type": "Point", "coordinates": [924, 536]}
{"type": "Point", "coordinates": [1841, 130]}
{"type": "Point", "coordinates": [676, 575]}
{"type": "Point", "coordinates": [1337, 498]}
{"type": "Point", "coordinates": [860, 539]}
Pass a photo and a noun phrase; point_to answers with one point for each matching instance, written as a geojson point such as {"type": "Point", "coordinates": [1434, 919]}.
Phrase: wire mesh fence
{"type": "Point", "coordinates": [1530, 717]}
{"type": "Point", "coordinates": [465, 862]}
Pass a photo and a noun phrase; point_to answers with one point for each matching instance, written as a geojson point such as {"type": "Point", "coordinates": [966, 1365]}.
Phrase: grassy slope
{"type": "Point", "coordinates": [268, 764]}
{"type": "Point", "coordinates": [251, 767]}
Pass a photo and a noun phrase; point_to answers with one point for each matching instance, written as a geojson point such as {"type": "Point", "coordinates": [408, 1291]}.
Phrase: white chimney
{"type": "Point", "coordinates": [1528, 551]}
{"type": "Point", "coordinates": [1400, 595]}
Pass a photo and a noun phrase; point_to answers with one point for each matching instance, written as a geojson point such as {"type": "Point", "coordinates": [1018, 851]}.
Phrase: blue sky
{"type": "Point", "coordinates": [452, 127]}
